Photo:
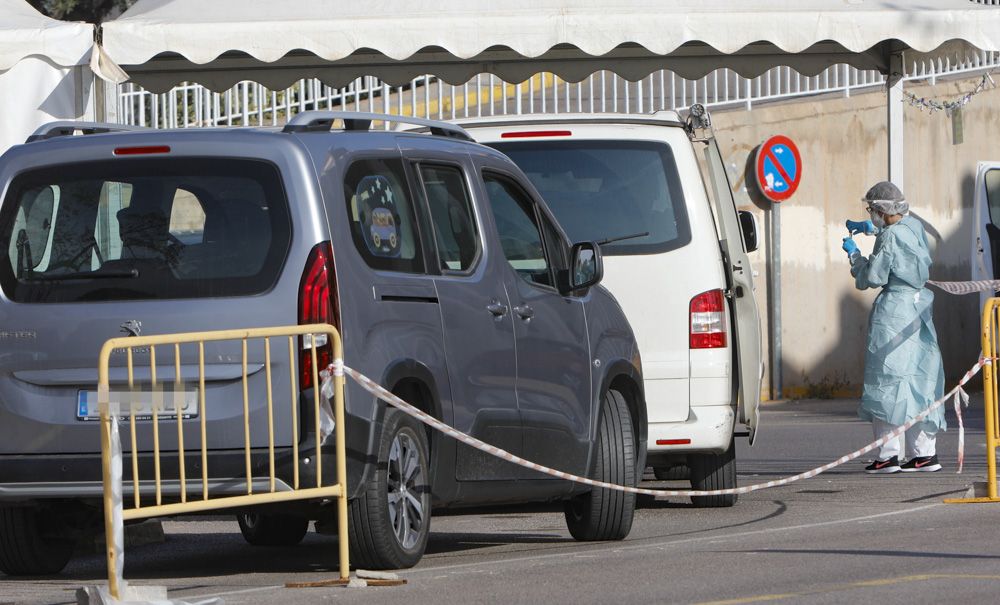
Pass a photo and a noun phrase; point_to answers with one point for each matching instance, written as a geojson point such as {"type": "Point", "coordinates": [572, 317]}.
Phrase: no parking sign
{"type": "Point", "coordinates": [778, 168]}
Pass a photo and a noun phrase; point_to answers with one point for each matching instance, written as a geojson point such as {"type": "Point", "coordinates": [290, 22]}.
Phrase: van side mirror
{"type": "Point", "coordinates": [748, 225]}
{"type": "Point", "coordinates": [586, 268]}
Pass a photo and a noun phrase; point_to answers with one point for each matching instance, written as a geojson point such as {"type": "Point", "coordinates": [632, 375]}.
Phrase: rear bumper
{"type": "Point", "coordinates": [78, 477]}
{"type": "Point", "coordinates": [707, 429]}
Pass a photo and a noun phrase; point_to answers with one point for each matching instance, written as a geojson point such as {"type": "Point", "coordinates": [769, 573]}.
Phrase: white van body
{"type": "Point", "coordinates": [986, 225]}
{"type": "Point", "coordinates": [691, 393]}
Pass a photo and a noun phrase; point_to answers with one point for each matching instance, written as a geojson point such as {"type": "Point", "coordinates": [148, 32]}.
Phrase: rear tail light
{"type": "Point", "coordinates": [318, 303]}
{"type": "Point", "coordinates": [708, 320]}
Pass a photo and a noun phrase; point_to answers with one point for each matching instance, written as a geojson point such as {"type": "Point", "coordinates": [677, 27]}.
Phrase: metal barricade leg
{"type": "Point", "coordinates": [338, 410]}
{"type": "Point", "coordinates": [109, 518]}
{"type": "Point", "coordinates": [990, 328]}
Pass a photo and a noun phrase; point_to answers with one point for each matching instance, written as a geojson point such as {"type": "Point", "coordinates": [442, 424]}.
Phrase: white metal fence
{"type": "Point", "coordinates": [251, 104]}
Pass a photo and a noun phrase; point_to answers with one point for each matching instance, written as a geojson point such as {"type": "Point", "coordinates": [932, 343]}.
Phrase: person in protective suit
{"type": "Point", "coordinates": [904, 373]}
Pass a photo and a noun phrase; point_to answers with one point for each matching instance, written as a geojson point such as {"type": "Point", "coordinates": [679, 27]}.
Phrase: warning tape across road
{"type": "Point", "coordinates": [967, 287]}
{"type": "Point", "coordinates": [958, 394]}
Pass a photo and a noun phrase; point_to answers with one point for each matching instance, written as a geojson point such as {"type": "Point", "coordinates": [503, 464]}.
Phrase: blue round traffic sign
{"type": "Point", "coordinates": [778, 168]}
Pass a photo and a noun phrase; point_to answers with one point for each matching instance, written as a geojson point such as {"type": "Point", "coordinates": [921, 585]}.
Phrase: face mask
{"type": "Point", "coordinates": [877, 219]}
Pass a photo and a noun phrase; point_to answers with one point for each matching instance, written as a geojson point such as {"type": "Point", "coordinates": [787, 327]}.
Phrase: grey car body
{"type": "Point", "coordinates": [519, 364]}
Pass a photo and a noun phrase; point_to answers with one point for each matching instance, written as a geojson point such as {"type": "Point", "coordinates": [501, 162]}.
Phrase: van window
{"type": "Point", "coordinates": [993, 195]}
{"type": "Point", "coordinates": [517, 226]}
{"type": "Point", "coordinates": [603, 189]}
{"type": "Point", "coordinates": [451, 217]}
{"type": "Point", "coordinates": [383, 225]}
{"type": "Point", "coordinates": [143, 229]}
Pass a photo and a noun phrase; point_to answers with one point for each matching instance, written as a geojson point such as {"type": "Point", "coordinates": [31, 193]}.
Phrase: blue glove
{"type": "Point", "coordinates": [866, 227]}
{"type": "Point", "coordinates": [850, 248]}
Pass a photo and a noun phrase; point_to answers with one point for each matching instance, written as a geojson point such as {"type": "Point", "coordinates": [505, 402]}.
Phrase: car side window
{"type": "Point", "coordinates": [383, 224]}
{"type": "Point", "coordinates": [517, 225]}
{"type": "Point", "coordinates": [452, 217]}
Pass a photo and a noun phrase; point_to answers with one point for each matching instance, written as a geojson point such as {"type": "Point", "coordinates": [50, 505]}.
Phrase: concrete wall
{"type": "Point", "coordinates": [843, 147]}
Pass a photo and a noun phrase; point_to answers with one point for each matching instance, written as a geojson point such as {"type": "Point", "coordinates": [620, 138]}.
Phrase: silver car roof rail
{"type": "Point", "coordinates": [322, 121]}
{"type": "Point", "coordinates": [68, 128]}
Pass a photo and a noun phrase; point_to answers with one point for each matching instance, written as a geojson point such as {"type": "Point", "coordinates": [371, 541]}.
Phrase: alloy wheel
{"type": "Point", "coordinates": [406, 511]}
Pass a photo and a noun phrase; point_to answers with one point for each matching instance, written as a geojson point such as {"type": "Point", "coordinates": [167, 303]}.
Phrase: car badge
{"type": "Point", "coordinates": [131, 327]}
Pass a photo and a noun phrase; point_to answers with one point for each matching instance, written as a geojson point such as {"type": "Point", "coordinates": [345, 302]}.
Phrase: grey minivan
{"type": "Point", "coordinates": [445, 272]}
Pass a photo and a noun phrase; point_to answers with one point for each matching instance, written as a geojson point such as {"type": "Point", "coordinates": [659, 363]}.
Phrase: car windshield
{"type": "Point", "coordinates": [143, 229]}
{"type": "Point", "coordinates": [602, 189]}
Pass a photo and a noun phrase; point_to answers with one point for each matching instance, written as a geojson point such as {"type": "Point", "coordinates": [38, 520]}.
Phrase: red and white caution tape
{"type": "Point", "coordinates": [958, 393]}
{"type": "Point", "coordinates": [967, 287]}
{"type": "Point", "coordinates": [961, 398]}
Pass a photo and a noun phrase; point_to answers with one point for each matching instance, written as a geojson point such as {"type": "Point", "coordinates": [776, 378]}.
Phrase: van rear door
{"type": "Point", "coordinates": [986, 226]}
{"type": "Point", "coordinates": [742, 304]}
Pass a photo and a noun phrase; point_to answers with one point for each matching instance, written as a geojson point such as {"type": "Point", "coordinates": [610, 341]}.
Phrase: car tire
{"type": "Point", "coordinates": [603, 514]}
{"type": "Point", "coordinates": [28, 547]}
{"type": "Point", "coordinates": [262, 529]}
{"type": "Point", "coordinates": [390, 521]}
{"type": "Point", "coordinates": [711, 472]}
{"type": "Point", "coordinates": [680, 472]}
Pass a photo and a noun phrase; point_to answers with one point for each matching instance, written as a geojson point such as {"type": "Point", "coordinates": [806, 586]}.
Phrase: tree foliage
{"type": "Point", "coordinates": [92, 11]}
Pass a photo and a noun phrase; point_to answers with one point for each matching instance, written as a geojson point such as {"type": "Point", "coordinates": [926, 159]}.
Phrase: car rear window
{"type": "Point", "coordinates": [606, 189]}
{"type": "Point", "coordinates": [138, 229]}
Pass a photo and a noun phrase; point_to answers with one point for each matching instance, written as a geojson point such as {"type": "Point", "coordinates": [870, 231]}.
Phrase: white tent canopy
{"type": "Point", "coordinates": [43, 73]}
{"type": "Point", "coordinates": [218, 43]}
{"type": "Point", "coordinates": [24, 32]}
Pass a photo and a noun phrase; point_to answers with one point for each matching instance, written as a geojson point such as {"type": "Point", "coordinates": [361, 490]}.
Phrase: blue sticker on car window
{"type": "Point", "coordinates": [379, 216]}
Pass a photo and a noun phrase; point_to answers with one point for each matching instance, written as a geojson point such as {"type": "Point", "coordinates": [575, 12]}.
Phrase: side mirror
{"type": "Point", "coordinates": [587, 266]}
{"type": "Point", "coordinates": [748, 225]}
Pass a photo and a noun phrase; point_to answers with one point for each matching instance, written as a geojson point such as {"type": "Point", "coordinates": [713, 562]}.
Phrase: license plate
{"type": "Point", "coordinates": [141, 403]}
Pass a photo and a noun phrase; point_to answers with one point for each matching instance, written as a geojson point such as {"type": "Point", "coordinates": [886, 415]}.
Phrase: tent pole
{"type": "Point", "coordinates": [894, 115]}
{"type": "Point", "coordinates": [105, 100]}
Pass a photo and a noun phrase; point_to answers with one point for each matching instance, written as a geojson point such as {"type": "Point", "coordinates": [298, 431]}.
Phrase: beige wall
{"type": "Point", "coordinates": [843, 147]}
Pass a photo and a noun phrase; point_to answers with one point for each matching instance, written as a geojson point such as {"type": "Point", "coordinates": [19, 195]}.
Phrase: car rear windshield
{"type": "Point", "coordinates": [139, 229]}
{"type": "Point", "coordinates": [607, 189]}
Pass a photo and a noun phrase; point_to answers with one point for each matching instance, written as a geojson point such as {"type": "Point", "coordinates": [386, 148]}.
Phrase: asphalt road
{"type": "Point", "coordinates": [843, 536]}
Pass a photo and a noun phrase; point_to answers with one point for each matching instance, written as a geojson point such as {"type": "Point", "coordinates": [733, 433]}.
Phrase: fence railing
{"type": "Point", "coordinates": [251, 104]}
{"type": "Point", "coordinates": [145, 396]}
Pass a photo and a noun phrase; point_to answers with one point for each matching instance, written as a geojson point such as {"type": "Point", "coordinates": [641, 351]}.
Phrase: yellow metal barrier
{"type": "Point", "coordinates": [113, 523]}
{"type": "Point", "coordinates": [991, 350]}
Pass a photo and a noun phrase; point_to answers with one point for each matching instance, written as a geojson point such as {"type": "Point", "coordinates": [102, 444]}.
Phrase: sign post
{"type": "Point", "coordinates": [778, 172]}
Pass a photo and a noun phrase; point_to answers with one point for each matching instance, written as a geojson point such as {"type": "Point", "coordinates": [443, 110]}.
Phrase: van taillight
{"type": "Point", "coordinates": [318, 303]}
{"type": "Point", "coordinates": [708, 320]}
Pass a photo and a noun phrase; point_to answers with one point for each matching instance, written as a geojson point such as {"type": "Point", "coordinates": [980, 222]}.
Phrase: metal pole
{"type": "Point", "coordinates": [774, 282]}
{"type": "Point", "coordinates": [894, 119]}
{"type": "Point", "coordinates": [338, 411]}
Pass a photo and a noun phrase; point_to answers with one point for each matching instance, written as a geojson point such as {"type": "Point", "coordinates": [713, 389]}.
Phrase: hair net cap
{"type": "Point", "coordinates": [886, 198]}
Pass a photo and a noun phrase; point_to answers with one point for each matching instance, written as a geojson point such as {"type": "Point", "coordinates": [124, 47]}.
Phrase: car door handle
{"type": "Point", "coordinates": [524, 311]}
{"type": "Point", "coordinates": [497, 308]}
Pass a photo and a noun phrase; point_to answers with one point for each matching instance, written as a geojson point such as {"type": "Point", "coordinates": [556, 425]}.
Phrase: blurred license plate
{"type": "Point", "coordinates": [142, 403]}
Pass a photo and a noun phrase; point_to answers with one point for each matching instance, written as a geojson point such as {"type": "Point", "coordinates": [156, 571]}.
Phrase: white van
{"type": "Point", "coordinates": [986, 235]}
{"type": "Point", "coordinates": [674, 257]}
